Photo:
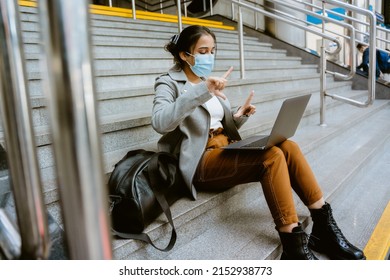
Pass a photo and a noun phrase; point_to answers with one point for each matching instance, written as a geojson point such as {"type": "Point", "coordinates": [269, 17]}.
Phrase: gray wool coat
{"type": "Point", "coordinates": [179, 114]}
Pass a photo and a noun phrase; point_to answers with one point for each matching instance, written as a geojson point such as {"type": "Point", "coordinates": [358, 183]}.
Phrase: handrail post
{"type": "Point", "coordinates": [133, 9]}
{"type": "Point", "coordinates": [69, 88]}
{"type": "Point", "coordinates": [323, 73]}
{"type": "Point", "coordinates": [19, 135]}
{"type": "Point", "coordinates": [179, 22]}
{"type": "Point", "coordinates": [241, 43]}
{"type": "Point", "coordinates": [233, 12]}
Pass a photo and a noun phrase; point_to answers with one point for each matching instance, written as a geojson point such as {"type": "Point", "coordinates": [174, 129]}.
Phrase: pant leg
{"type": "Point", "coordinates": [220, 169]}
{"type": "Point", "coordinates": [301, 175]}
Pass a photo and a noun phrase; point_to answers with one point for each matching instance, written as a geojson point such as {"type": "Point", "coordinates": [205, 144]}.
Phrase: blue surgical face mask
{"type": "Point", "coordinates": [204, 64]}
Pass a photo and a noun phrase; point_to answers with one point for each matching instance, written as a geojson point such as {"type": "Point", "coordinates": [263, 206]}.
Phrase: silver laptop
{"type": "Point", "coordinates": [287, 121]}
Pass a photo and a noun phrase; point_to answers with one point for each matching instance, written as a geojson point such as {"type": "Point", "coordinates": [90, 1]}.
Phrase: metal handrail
{"type": "Point", "coordinates": [160, 4]}
{"type": "Point", "coordinates": [19, 138]}
{"type": "Point", "coordinates": [69, 87]}
{"type": "Point", "coordinates": [345, 25]}
{"type": "Point", "coordinates": [352, 19]}
{"type": "Point", "coordinates": [179, 14]}
{"type": "Point", "coordinates": [371, 75]}
{"type": "Point", "coordinates": [371, 16]}
{"type": "Point", "coordinates": [304, 21]}
{"type": "Point", "coordinates": [271, 15]}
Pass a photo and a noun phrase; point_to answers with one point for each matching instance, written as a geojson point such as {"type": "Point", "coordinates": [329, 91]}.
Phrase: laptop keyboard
{"type": "Point", "coordinates": [259, 143]}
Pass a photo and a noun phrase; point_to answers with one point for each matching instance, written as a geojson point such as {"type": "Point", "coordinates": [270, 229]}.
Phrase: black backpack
{"type": "Point", "coordinates": [142, 186]}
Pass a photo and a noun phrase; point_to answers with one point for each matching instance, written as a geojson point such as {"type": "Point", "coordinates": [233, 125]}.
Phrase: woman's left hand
{"type": "Point", "coordinates": [247, 109]}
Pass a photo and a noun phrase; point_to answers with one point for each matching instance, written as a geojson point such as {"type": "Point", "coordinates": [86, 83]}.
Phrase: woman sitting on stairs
{"type": "Point", "coordinates": [195, 119]}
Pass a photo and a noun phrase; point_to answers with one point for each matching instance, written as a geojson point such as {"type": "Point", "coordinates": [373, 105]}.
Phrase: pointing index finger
{"type": "Point", "coordinates": [249, 99]}
{"type": "Point", "coordinates": [228, 72]}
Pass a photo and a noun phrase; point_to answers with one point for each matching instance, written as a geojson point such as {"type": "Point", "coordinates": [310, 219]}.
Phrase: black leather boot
{"type": "Point", "coordinates": [327, 238]}
{"type": "Point", "coordinates": [295, 245]}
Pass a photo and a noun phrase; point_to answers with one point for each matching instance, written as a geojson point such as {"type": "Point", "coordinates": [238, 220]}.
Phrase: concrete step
{"type": "Point", "coordinates": [109, 80]}
{"type": "Point", "coordinates": [112, 61]}
{"type": "Point", "coordinates": [357, 185]}
{"type": "Point", "coordinates": [118, 98]}
{"type": "Point", "coordinates": [123, 46]}
{"type": "Point", "coordinates": [360, 207]}
{"type": "Point", "coordinates": [133, 39]}
{"type": "Point", "coordinates": [126, 113]}
{"type": "Point", "coordinates": [154, 45]}
{"type": "Point", "coordinates": [116, 27]}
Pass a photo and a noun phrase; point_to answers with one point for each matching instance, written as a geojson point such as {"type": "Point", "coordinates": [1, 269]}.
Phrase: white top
{"type": "Point", "coordinates": [216, 111]}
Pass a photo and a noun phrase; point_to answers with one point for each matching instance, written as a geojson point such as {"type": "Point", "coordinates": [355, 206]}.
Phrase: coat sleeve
{"type": "Point", "coordinates": [365, 60]}
{"type": "Point", "coordinates": [238, 121]}
{"type": "Point", "coordinates": [173, 102]}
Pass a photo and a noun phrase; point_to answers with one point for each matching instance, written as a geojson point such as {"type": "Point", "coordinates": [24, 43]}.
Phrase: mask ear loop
{"type": "Point", "coordinates": [187, 53]}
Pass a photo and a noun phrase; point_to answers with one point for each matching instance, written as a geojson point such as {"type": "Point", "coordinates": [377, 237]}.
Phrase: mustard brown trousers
{"type": "Point", "coordinates": [279, 169]}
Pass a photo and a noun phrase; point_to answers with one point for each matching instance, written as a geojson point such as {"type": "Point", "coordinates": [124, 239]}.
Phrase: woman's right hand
{"type": "Point", "coordinates": [217, 84]}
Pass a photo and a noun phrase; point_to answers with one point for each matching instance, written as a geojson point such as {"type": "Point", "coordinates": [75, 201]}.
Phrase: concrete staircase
{"type": "Point", "coordinates": [236, 224]}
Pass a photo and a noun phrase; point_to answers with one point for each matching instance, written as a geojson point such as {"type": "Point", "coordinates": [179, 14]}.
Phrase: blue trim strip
{"type": "Point", "coordinates": [316, 20]}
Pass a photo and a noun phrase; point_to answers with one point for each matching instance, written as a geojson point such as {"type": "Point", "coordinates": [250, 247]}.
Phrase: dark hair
{"type": "Point", "coordinates": [187, 39]}
{"type": "Point", "coordinates": [359, 46]}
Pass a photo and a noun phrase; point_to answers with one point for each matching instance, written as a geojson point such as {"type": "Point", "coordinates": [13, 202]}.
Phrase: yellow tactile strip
{"type": "Point", "coordinates": [378, 246]}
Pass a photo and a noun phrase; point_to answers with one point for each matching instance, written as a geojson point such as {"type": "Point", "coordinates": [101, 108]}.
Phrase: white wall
{"type": "Point", "coordinates": [224, 7]}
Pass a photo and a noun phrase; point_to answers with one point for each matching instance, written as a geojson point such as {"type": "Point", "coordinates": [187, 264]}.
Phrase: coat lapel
{"type": "Point", "coordinates": [228, 122]}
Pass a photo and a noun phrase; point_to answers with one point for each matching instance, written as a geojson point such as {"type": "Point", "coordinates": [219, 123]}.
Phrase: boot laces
{"type": "Point", "coordinates": [308, 252]}
{"type": "Point", "coordinates": [339, 235]}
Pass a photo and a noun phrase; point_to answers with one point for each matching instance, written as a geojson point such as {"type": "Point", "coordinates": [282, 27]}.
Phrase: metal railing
{"type": "Point", "coordinates": [179, 3]}
{"type": "Point", "coordinates": [70, 89]}
{"type": "Point", "coordinates": [357, 23]}
{"type": "Point", "coordinates": [323, 34]}
{"type": "Point", "coordinates": [157, 6]}
{"type": "Point", "coordinates": [371, 75]}
{"type": "Point", "coordinates": [277, 17]}
{"type": "Point", "coordinates": [21, 149]}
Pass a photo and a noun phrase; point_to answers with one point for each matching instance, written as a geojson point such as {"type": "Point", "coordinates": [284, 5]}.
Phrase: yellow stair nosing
{"type": "Point", "coordinates": [111, 13]}
{"type": "Point", "coordinates": [189, 22]}
{"type": "Point", "coordinates": [379, 243]}
{"type": "Point", "coordinates": [27, 3]}
{"type": "Point", "coordinates": [183, 18]}
{"type": "Point", "coordinates": [125, 12]}
{"type": "Point", "coordinates": [171, 19]}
